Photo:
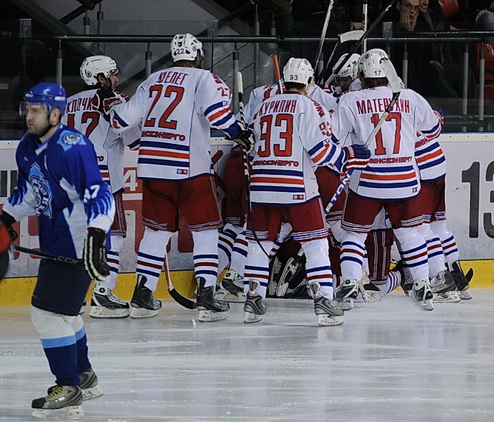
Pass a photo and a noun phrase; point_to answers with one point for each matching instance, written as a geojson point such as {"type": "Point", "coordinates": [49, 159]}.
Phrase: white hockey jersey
{"type": "Point", "coordinates": [392, 171]}
{"type": "Point", "coordinates": [177, 106]}
{"type": "Point", "coordinates": [293, 137]}
{"type": "Point", "coordinates": [262, 93]}
{"type": "Point", "coordinates": [430, 159]}
{"type": "Point", "coordinates": [108, 144]}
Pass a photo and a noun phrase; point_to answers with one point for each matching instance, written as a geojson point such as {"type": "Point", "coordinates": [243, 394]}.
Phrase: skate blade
{"type": "Point", "coordinates": [102, 312]}
{"type": "Point", "coordinates": [448, 297]}
{"type": "Point", "coordinates": [427, 304]}
{"type": "Point", "coordinates": [344, 304]}
{"type": "Point", "coordinates": [465, 294]}
{"type": "Point", "coordinates": [211, 316]}
{"type": "Point", "coordinates": [226, 296]}
{"type": "Point", "coordinates": [368, 296]}
{"type": "Point", "coordinates": [65, 413]}
{"type": "Point", "coordinates": [92, 393]}
{"type": "Point", "coordinates": [327, 321]}
{"type": "Point", "coordinates": [137, 313]}
{"type": "Point", "coordinates": [251, 317]}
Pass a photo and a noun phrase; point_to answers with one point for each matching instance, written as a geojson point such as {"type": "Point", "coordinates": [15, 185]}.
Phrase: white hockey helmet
{"type": "Point", "coordinates": [370, 63]}
{"type": "Point", "coordinates": [92, 66]}
{"type": "Point", "coordinates": [298, 71]}
{"type": "Point", "coordinates": [186, 47]}
{"type": "Point", "coordinates": [350, 68]}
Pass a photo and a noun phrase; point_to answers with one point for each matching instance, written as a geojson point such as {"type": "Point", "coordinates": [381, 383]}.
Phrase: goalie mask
{"type": "Point", "coordinates": [298, 71]}
{"type": "Point", "coordinates": [94, 65]}
{"type": "Point", "coordinates": [371, 63]}
{"type": "Point", "coordinates": [186, 47]}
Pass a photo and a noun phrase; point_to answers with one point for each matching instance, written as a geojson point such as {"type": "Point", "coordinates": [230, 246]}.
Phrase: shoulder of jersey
{"type": "Point", "coordinates": [70, 138]}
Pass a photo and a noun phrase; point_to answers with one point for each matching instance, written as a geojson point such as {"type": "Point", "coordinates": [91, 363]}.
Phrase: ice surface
{"type": "Point", "coordinates": [389, 361]}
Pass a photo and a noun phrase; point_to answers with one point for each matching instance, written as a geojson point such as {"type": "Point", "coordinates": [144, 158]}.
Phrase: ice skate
{"type": "Point", "coordinates": [291, 269]}
{"type": "Point", "coordinates": [421, 293]}
{"type": "Point", "coordinates": [406, 281]}
{"type": "Point", "coordinates": [104, 304]}
{"type": "Point", "coordinates": [452, 296]}
{"type": "Point", "coordinates": [327, 314]}
{"type": "Point", "coordinates": [443, 282]}
{"type": "Point", "coordinates": [231, 288]}
{"type": "Point", "coordinates": [143, 303]}
{"type": "Point", "coordinates": [83, 308]}
{"type": "Point", "coordinates": [254, 304]}
{"type": "Point", "coordinates": [89, 385]}
{"type": "Point", "coordinates": [345, 293]}
{"type": "Point", "coordinates": [63, 402]}
{"type": "Point", "coordinates": [462, 281]}
{"type": "Point", "coordinates": [274, 275]}
{"type": "Point", "coordinates": [210, 309]}
{"type": "Point", "coordinates": [370, 292]}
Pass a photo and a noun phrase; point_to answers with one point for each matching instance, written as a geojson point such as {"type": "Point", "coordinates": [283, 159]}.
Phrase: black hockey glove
{"type": "Point", "coordinates": [95, 254]}
{"type": "Point", "coordinates": [104, 100]}
{"type": "Point", "coordinates": [245, 139]}
{"type": "Point", "coordinates": [357, 157]}
{"type": "Point", "coordinates": [7, 221]}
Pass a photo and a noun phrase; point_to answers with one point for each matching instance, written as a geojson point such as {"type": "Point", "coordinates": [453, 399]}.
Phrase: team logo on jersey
{"type": "Point", "coordinates": [182, 171]}
{"type": "Point", "coordinates": [298, 197]}
{"type": "Point", "coordinates": [71, 138]}
{"type": "Point", "coordinates": [41, 189]}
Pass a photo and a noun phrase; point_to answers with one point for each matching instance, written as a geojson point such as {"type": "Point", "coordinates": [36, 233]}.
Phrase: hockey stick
{"type": "Point", "coordinates": [362, 39]}
{"type": "Point", "coordinates": [240, 85]}
{"type": "Point", "coordinates": [395, 85]}
{"type": "Point", "coordinates": [182, 300]}
{"type": "Point", "coordinates": [277, 75]}
{"type": "Point", "coordinates": [47, 255]}
{"type": "Point", "coordinates": [323, 33]}
{"type": "Point", "coordinates": [354, 35]}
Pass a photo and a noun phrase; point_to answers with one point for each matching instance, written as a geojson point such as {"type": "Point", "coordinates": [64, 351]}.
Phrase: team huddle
{"type": "Point", "coordinates": [343, 170]}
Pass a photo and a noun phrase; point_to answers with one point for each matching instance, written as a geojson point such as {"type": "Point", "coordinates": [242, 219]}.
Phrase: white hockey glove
{"type": "Point", "coordinates": [357, 157]}
{"type": "Point", "coordinates": [95, 254]}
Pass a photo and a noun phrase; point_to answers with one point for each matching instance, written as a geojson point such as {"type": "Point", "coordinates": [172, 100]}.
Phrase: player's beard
{"type": "Point", "coordinates": [40, 131]}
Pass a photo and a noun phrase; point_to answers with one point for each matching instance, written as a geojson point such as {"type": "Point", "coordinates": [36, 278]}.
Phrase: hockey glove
{"type": "Point", "coordinates": [245, 139]}
{"type": "Point", "coordinates": [357, 157]}
{"type": "Point", "coordinates": [104, 100]}
{"type": "Point", "coordinates": [95, 254]}
{"type": "Point", "coordinates": [6, 221]}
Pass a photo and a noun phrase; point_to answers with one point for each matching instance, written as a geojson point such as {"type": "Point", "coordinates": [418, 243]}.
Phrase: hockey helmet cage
{"type": "Point", "coordinates": [94, 65]}
{"type": "Point", "coordinates": [350, 68]}
{"type": "Point", "coordinates": [185, 47]}
{"type": "Point", "coordinates": [371, 63]}
{"type": "Point", "coordinates": [50, 94]}
{"type": "Point", "coordinates": [298, 71]}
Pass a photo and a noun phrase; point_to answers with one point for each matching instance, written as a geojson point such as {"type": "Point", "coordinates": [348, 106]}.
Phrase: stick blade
{"type": "Point", "coordinates": [240, 82]}
{"type": "Point", "coordinates": [182, 300]}
{"type": "Point", "coordinates": [393, 78]}
{"type": "Point", "coordinates": [354, 35]}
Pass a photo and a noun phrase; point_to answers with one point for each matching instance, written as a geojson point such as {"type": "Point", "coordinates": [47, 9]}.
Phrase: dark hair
{"type": "Point", "coordinates": [290, 85]}
{"type": "Point", "coordinates": [373, 82]}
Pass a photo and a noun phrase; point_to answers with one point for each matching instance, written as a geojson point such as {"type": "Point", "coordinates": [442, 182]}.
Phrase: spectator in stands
{"type": "Point", "coordinates": [426, 60]}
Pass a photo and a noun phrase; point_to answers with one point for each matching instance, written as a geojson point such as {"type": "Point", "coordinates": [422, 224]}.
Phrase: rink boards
{"type": "Point", "coordinates": [470, 208]}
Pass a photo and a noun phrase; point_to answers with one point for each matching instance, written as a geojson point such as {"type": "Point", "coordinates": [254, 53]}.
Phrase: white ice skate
{"type": "Point", "coordinates": [421, 293]}
{"type": "Point", "coordinates": [231, 288]}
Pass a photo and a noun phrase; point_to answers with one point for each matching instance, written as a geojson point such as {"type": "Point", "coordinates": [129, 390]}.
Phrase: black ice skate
{"type": "Point", "coordinates": [210, 309]}
{"type": "Point", "coordinates": [143, 303]}
{"type": "Point", "coordinates": [462, 281]}
{"type": "Point", "coordinates": [327, 314]}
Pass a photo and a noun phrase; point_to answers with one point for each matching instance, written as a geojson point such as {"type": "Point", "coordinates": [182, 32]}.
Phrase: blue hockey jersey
{"type": "Point", "coordinates": [59, 181]}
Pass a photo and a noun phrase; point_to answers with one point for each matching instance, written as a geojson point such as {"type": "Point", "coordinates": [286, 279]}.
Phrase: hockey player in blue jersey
{"type": "Point", "coordinates": [59, 181]}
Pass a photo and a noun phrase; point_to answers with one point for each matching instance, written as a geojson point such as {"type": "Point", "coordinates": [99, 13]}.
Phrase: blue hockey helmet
{"type": "Point", "coordinates": [50, 94]}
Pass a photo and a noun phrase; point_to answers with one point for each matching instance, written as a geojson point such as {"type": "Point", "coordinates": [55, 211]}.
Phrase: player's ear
{"type": "Point", "coordinates": [55, 116]}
